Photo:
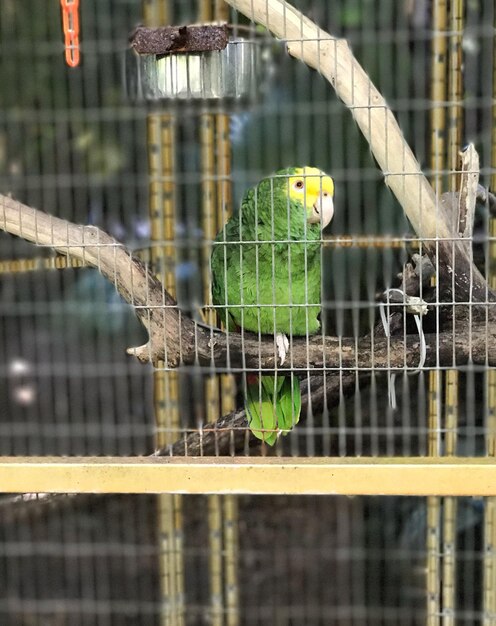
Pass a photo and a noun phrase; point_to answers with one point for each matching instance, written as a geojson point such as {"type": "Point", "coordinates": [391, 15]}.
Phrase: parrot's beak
{"type": "Point", "coordinates": [322, 210]}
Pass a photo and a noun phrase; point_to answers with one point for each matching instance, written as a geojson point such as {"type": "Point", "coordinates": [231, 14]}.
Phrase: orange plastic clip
{"type": "Point", "coordinates": [70, 23]}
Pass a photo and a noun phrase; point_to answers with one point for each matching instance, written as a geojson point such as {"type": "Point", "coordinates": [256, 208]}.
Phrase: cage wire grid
{"type": "Point", "coordinates": [163, 178]}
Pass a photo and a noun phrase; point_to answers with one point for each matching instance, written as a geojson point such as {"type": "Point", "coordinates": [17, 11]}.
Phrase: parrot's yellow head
{"type": "Point", "coordinates": [315, 190]}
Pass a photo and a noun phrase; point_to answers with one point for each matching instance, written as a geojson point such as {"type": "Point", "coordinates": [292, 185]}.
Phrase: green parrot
{"type": "Point", "coordinates": [266, 278]}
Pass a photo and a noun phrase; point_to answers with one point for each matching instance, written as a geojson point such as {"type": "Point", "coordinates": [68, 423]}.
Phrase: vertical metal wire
{"type": "Point", "coordinates": [489, 593]}
{"type": "Point", "coordinates": [161, 151]}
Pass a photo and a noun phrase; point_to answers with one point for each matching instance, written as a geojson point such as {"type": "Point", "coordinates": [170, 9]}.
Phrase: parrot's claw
{"type": "Point", "coordinates": [282, 344]}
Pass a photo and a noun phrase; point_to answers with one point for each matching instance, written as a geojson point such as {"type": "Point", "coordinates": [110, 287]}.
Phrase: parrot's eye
{"type": "Point", "coordinates": [298, 185]}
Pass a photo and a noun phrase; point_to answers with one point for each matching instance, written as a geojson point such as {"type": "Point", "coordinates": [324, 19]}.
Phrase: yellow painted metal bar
{"type": "Point", "coordinates": [161, 139]}
{"type": "Point", "coordinates": [227, 381]}
{"type": "Point", "coordinates": [455, 90]}
{"type": "Point", "coordinates": [205, 11]}
{"type": "Point", "coordinates": [221, 11]}
{"type": "Point", "coordinates": [451, 412]}
{"type": "Point", "coordinates": [415, 476]}
{"type": "Point", "coordinates": [219, 390]}
{"type": "Point", "coordinates": [353, 241]}
{"type": "Point", "coordinates": [231, 557]}
{"type": "Point", "coordinates": [433, 538]}
{"type": "Point", "coordinates": [438, 91]}
{"type": "Point", "coordinates": [455, 128]}
{"type": "Point", "coordinates": [215, 560]}
{"type": "Point", "coordinates": [161, 154]}
{"type": "Point", "coordinates": [489, 594]}
{"type": "Point", "coordinates": [212, 390]}
{"type": "Point", "coordinates": [450, 503]}
{"type": "Point", "coordinates": [161, 151]}
{"type": "Point", "coordinates": [438, 123]}
{"type": "Point", "coordinates": [156, 12]}
{"type": "Point", "coordinates": [209, 206]}
{"type": "Point", "coordinates": [343, 241]}
{"type": "Point", "coordinates": [20, 266]}
{"type": "Point", "coordinates": [434, 435]}
{"type": "Point", "coordinates": [438, 147]}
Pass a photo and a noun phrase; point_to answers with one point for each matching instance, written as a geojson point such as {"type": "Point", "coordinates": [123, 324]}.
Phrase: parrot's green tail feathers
{"type": "Point", "coordinates": [289, 404]}
{"type": "Point", "coordinates": [273, 405]}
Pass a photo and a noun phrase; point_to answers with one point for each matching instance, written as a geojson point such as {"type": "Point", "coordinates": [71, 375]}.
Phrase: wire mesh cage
{"type": "Point", "coordinates": [310, 284]}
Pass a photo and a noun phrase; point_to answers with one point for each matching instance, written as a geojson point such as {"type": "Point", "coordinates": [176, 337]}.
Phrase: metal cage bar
{"type": "Point", "coordinates": [219, 390]}
{"type": "Point", "coordinates": [166, 384]}
{"type": "Point", "coordinates": [415, 476]}
{"type": "Point", "coordinates": [452, 377]}
{"type": "Point", "coordinates": [489, 585]}
{"type": "Point", "coordinates": [161, 148]}
{"type": "Point", "coordinates": [438, 123]}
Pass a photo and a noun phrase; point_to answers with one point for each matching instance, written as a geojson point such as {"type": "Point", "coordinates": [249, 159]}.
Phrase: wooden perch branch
{"type": "Point", "coordinates": [176, 339]}
{"type": "Point", "coordinates": [155, 308]}
{"type": "Point", "coordinates": [473, 345]}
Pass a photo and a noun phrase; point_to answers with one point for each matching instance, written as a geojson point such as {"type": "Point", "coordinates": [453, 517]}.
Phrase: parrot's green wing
{"type": "Point", "coordinates": [223, 253]}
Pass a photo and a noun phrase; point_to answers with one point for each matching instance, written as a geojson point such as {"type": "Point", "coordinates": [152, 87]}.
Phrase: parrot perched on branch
{"type": "Point", "coordinates": [266, 278]}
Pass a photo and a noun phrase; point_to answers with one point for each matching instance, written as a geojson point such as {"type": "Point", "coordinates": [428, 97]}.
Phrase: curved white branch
{"type": "Point", "coordinates": [332, 57]}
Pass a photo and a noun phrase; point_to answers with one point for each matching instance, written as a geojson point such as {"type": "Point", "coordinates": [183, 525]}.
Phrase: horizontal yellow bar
{"type": "Point", "coordinates": [19, 266]}
{"type": "Point", "coordinates": [345, 476]}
